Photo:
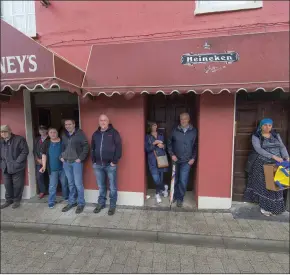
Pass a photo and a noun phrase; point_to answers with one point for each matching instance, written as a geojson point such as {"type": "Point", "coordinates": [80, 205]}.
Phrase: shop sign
{"type": "Point", "coordinates": [192, 58]}
{"type": "Point", "coordinates": [18, 64]}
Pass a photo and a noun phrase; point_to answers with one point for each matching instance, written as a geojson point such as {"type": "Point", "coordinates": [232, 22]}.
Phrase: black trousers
{"type": "Point", "coordinates": [14, 185]}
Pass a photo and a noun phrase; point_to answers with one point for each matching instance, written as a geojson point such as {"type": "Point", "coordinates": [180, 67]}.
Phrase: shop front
{"type": "Point", "coordinates": [157, 80]}
{"type": "Point", "coordinates": [29, 71]}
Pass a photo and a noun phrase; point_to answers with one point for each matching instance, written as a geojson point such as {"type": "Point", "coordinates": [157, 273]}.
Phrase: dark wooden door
{"type": "Point", "coordinates": [250, 109]}
{"type": "Point", "coordinates": [165, 110]}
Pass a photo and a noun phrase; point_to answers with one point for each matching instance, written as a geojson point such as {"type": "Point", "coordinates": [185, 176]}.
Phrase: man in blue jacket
{"type": "Point", "coordinates": [106, 153]}
{"type": "Point", "coordinates": [182, 148]}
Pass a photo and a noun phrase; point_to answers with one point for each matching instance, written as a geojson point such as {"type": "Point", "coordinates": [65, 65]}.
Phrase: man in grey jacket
{"type": "Point", "coordinates": [75, 149]}
{"type": "Point", "coordinates": [14, 152]}
{"type": "Point", "coordinates": [182, 148]}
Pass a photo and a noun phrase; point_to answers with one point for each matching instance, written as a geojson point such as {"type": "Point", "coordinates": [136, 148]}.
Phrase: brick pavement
{"type": "Point", "coordinates": [202, 223]}
{"type": "Point", "coordinates": [44, 253]}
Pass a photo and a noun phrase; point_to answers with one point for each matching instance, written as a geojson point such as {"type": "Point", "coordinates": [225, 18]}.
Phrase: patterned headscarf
{"type": "Point", "coordinates": [265, 121]}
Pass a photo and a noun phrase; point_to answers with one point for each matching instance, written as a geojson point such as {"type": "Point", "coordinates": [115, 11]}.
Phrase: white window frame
{"type": "Point", "coordinates": [9, 16]}
{"type": "Point", "coordinates": [203, 7]}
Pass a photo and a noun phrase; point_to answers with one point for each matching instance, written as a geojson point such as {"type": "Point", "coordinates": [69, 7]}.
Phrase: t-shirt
{"type": "Point", "coordinates": [54, 152]}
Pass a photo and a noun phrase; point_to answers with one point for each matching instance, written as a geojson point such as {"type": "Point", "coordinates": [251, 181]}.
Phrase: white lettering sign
{"type": "Point", "coordinates": [18, 64]}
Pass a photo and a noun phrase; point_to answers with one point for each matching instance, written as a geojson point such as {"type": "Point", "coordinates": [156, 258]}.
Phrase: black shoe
{"type": "Point", "coordinates": [98, 208]}
{"type": "Point", "coordinates": [111, 211]}
{"type": "Point", "coordinates": [179, 204]}
{"type": "Point", "coordinates": [16, 204]}
{"type": "Point", "coordinates": [6, 204]}
{"type": "Point", "coordinates": [80, 209]}
{"type": "Point", "coordinates": [68, 207]}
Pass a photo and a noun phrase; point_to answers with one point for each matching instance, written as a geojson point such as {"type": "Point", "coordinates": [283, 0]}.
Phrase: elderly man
{"type": "Point", "coordinates": [75, 149]}
{"type": "Point", "coordinates": [182, 149]}
{"type": "Point", "coordinates": [14, 152]}
{"type": "Point", "coordinates": [106, 153]}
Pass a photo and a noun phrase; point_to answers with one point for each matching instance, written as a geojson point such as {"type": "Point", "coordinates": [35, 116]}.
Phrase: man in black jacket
{"type": "Point", "coordinates": [106, 153]}
{"type": "Point", "coordinates": [14, 152]}
{"type": "Point", "coordinates": [75, 148]}
{"type": "Point", "coordinates": [182, 149]}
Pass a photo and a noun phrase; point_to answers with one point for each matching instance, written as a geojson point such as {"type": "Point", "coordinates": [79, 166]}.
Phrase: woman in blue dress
{"type": "Point", "coordinates": [154, 141]}
{"type": "Point", "coordinates": [268, 148]}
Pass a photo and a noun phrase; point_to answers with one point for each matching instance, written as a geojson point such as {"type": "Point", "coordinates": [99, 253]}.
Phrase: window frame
{"type": "Point", "coordinates": [205, 9]}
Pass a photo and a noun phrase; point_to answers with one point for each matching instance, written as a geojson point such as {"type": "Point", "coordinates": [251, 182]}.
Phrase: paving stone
{"type": "Point", "coordinates": [130, 245]}
{"type": "Point", "coordinates": [116, 268]}
{"type": "Point", "coordinates": [130, 269]}
{"type": "Point", "coordinates": [280, 258]}
{"type": "Point", "coordinates": [260, 267]}
{"type": "Point", "coordinates": [230, 265]}
{"type": "Point", "coordinates": [238, 254]}
{"type": "Point", "coordinates": [121, 257]}
{"type": "Point", "coordinates": [144, 246]}
{"type": "Point", "coordinates": [146, 259]}
{"type": "Point", "coordinates": [159, 258]}
{"type": "Point", "coordinates": [158, 247]}
{"type": "Point", "coordinates": [275, 267]}
{"type": "Point", "coordinates": [175, 249]}
{"type": "Point", "coordinates": [79, 262]}
{"type": "Point", "coordinates": [142, 269]}
{"type": "Point", "coordinates": [202, 268]}
{"type": "Point", "coordinates": [91, 265]}
{"type": "Point", "coordinates": [106, 260]}
{"type": "Point", "coordinates": [76, 249]}
{"type": "Point", "coordinates": [190, 249]}
{"type": "Point", "coordinates": [244, 266]}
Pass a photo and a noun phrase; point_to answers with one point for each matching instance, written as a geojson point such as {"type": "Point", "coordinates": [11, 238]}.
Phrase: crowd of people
{"type": "Point", "coordinates": [62, 158]}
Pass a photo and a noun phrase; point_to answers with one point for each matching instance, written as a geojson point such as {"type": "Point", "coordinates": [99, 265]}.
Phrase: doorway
{"type": "Point", "coordinates": [165, 111]}
{"type": "Point", "coordinates": [250, 109]}
{"type": "Point", "coordinates": [50, 109]}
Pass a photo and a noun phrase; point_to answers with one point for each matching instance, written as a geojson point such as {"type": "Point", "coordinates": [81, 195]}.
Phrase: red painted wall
{"type": "Point", "coordinates": [216, 121]}
{"type": "Point", "coordinates": [127, 116]}
{"type": "Point", "coordinates": [12, 113]}
{"type": "Point", "coordinates": [71, 27]}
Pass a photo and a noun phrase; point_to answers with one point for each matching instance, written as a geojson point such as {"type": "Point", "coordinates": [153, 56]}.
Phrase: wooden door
{"type": "Point", "coordinates": [165, 111]}
{"type": "Point", "coordinates": [250, 109]}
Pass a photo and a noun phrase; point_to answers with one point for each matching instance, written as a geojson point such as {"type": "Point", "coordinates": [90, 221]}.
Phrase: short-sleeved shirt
{"type": "Point", "coordinates": [54, 152]}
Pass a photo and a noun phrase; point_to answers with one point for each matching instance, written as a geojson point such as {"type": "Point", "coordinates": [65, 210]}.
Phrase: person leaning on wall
{"type": "Point", "coordinates": [14, 152]}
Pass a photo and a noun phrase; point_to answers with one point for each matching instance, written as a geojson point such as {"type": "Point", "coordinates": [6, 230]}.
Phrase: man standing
{"type": "Point", "coordinates": [14, 152]}
{"type": "Point", "coordinates": [40, 142]}
{"type": "Point", "coordinates": [182, 149]}
{"type": "Point", "coordinates": [106, 153]}
{"type": "Point", "coordinates": [75, 149]}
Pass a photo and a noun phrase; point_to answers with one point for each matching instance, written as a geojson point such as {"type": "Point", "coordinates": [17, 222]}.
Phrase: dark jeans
{"type": "Point", "coordinates": [54, 177]}
{"type": "Point", "coordinates": [14, 185]}
{"type": "Point", "coordinates": [181, 180]}
{"type": "Point", "coordinates": [103, 172]}
{"type": "Point", "coordinates": [74, 174]}
{"type": "Point", "coordinates": [158, 180]}
{"type": "Point", "coordinates": [40, 179]}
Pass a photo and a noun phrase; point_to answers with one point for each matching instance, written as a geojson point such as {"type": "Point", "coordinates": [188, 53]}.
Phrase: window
{"type": "Point", "coordinates": [20, 15]}
{"type": "Point", "coordinates": [219, 6]}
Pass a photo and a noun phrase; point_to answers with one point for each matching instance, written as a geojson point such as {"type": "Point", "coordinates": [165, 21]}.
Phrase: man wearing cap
{"type": "Point", "coordinates": [14, 152]}
{"type": "Point", "coordinates": [39, 144]}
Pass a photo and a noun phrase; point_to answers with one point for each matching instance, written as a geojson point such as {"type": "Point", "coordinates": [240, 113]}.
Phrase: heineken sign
{"type": "Point", "coordinates": [192, 58]}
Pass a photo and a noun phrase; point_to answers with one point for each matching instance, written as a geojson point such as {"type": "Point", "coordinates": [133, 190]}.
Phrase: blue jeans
{"type": "Point", "coordinates": [158, 180]}
{"type": "Point", "coordinates": [74, 174]}
{"type": "Point", "coordinates": [181, 180]}
{"type": "Point", "coordinates": [103, 172]}
{"type": "Point", "coordinates": [54, 177]}
{"type": "Point", "coordinates": [40, 179]}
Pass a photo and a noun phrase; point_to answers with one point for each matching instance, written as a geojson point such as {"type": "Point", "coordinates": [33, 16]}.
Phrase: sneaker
{"type": "Point", "coordinates": [68, 207]}
{"type": "Point", "coordinates": [16, 204]}
{"type": "Point", "coordinates": [265, 213]}
{"type": "Point", "coordinates": [80, 209]}
{"type": "Point", "coordinates": [111, 211]}
{"type": "Point", "coordinates": [165, 192]}
{"type": "Point", "coordinates": [98, 208]}
{"type": "Point", "coordinates": [179, 204]}
{"type": "Point", "coordinates": [6, 204]}
{"type": "Point", "coordinates": [41, 196]}
{"type": "Point", "coordinates": [51, 205]}
{"type": "Point", "coordinates": [158, 199]}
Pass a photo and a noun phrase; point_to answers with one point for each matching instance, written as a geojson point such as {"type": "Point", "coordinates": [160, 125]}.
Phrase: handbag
{"type": "Point", "coordinates": [162, 161]}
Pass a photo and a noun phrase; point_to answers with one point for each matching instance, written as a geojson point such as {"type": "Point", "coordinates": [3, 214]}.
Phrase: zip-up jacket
{"type": "Point", "coordinates": [106, 146]}
{"type": "Point", "coordinates": [74, 146]}
{"type": "Point", "coordinates": [38, 146]}
{"type": "Point", "coordinates": [183, 145]}
{"type": "Point", "coordinates": [14, 154]}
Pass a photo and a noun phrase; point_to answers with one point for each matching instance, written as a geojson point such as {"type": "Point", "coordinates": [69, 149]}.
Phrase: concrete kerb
{"type": "Point", "coordinates": [150, 236]}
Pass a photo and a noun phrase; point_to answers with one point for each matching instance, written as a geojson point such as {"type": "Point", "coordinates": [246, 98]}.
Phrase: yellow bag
{"type": "Point", "coordinates": [282, 178]}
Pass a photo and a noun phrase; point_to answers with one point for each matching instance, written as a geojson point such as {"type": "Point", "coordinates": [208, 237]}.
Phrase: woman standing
{"type": "Point", "coordinates": [155, 142]}
{"type": "Point", "coordinates": [269, 148]}
{"type": "Point", "coordinates": [51, 161]}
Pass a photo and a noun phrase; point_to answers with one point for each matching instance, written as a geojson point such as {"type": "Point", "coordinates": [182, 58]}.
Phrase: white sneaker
{"type": "Point", "coordinates": [158, 199]}
{"type": "Point", "coordinates": [165, 192]}
{"type": "Point", "coordinates": [266, 213]}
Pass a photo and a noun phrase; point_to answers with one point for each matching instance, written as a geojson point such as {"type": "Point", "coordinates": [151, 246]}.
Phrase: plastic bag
{"type": "Point", "coordinates": [282, 178]}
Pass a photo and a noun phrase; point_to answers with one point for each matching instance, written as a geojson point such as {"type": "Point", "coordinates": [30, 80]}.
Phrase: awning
{"type": "Point", "coordinates": [27, 64]}
{"type": "Point", "coordinates": [230, 63]}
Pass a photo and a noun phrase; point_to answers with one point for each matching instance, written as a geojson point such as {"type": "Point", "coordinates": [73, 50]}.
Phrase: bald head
{"type": "Point", "coordinates": [104, 122]}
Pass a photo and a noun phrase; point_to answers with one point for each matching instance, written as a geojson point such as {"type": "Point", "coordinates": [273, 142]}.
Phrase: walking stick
{"type": "Point", "coordinates": [172, 184]}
